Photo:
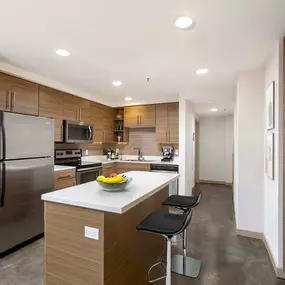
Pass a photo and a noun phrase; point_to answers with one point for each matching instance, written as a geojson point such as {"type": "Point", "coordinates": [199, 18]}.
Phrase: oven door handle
{"type": "Point", "coordinates": [89, 168]}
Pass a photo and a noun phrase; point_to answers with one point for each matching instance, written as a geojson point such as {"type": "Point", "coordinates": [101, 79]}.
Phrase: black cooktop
{"type": "Point", "coordinates": [78, 163]}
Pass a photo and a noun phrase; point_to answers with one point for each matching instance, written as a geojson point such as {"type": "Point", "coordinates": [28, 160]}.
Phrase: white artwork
{"type": "Point", "coordinates": [270, 105]}
{"type": "Point", "coordinates": [270, 156]}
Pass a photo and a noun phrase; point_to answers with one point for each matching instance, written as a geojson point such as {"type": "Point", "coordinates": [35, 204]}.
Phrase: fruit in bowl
{"type": "Point", "coordinates": [115, 183]}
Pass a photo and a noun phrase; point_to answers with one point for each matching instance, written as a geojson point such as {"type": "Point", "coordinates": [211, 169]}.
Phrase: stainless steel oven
{"type": "Point", "coordinates": [77, 132]}
{"type": "Point", "coordinates": [84, 175]}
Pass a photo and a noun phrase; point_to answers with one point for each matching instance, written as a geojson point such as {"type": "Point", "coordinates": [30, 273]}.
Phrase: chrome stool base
{"type": "Point", "coordinates": [186, 266]}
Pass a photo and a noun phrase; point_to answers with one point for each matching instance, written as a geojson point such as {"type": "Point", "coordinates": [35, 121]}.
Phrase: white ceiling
{"type": "Point", "coordinates": [131, 40]}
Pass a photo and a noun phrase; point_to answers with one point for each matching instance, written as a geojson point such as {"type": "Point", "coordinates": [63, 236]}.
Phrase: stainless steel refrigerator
{"type": "Point", "coordinates": [26, 172]}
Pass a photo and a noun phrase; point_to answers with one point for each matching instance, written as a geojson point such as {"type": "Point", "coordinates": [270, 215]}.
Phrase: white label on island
{"type": "Point", "coordinates": [92, 233]}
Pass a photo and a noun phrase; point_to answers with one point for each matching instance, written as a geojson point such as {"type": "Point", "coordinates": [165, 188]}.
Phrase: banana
{"type": "Point", "coordinates": [113, 180]}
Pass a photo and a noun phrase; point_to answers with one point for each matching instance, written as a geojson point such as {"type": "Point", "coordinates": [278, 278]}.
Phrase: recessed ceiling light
{"type": "Point", "coordinates": [128, 98]}
{"type": "Point", "coordinates": [117, 83]}
{"type": "Point", "coordinates": [184, 22]}
{"type": "Point", "coordinates": [62, 52]}
{"type": "Point", "coordinates": [214, 110]}
{"type": "Point", "coordinates": [202, 71]}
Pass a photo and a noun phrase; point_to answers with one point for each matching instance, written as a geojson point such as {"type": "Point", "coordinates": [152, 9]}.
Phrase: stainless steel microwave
{"type": "Point", "coordinates": [77, 132]}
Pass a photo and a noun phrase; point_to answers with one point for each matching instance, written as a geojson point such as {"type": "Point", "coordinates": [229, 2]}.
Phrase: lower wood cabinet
{"type": "Point", "coordinates": [122, 167]}
{"type": "Point", "coordinates": [64, 179]}
{"type": "Point", "coordinates": [108, 169]}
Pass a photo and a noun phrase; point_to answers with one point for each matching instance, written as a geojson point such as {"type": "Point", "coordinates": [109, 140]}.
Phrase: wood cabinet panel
{"type": "Point", "coordinates": [108, 169]}
{"type": "Point", "coordinates": [161, 123]}
{"type": "Point", "coordinates": [167, 123]}
{"type": "Point", "coordinates": [64, 179]}
{"type": "Point", "coordinates": [51, 106]}
{"type": "Point", "coordinates": [71, 105]}
{"type": "Point", "coordinates": [147, 116]}
{"type": "Point", "coordinates": [5, 96]}
{"type": "Point", "coordinates": [122, 167]}
{"type": "Point", "coordinates": [173, 122]}
{"type": "Point", "coordinates": [108, 124]}
{"type": "Point", "coordinates": [131, 117]}
{"type": "Point", "coordinates": [84, 111]}
{"type": "Point", "coordinates": [24, 96]}
{"type": "Point", "coordinates": [96, 119]}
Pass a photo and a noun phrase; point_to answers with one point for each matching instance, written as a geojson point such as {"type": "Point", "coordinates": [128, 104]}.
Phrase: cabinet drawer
{"type": "Point", "coordinates": [64, 184]}
{"type": "Point", "coordinates": [108, 169]}
{"type": "Point", "coordinates": [125, 167]}
{"type": "Point", "coordinates": [64, 175]}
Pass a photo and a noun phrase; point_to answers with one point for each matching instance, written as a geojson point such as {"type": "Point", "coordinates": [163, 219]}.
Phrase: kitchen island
{"type": "Point", "coordinates": [91, 236]}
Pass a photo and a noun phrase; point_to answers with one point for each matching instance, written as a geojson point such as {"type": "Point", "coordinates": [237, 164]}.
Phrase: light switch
{"type": "Point", "coordinates": [92, 233]}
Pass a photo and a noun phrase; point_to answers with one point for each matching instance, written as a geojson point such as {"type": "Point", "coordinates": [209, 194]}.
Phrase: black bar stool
{"type": "Point", "coordinates": [166, 225]}
{"type": "Point", "coordinates": [183, 264]}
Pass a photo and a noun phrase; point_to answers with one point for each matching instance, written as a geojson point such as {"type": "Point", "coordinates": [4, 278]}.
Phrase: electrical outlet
{"type": "Point", "coordinates": [92, 233]}
{"type": "Point", "coordinates": [86, 152]}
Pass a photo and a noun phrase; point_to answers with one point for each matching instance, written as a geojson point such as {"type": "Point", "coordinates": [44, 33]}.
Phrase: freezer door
{"type": "Point", "coordinates": [21, 208]}
{"type": "Point", "coordinates": [25, 136]}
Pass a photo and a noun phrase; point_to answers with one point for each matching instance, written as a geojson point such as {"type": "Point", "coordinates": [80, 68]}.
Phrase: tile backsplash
{"type": "Point", "coordinates": [143, 138]}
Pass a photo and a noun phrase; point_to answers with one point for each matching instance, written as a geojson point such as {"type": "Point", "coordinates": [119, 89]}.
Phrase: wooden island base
{"type": "Point", "coordinates": [121, 256]}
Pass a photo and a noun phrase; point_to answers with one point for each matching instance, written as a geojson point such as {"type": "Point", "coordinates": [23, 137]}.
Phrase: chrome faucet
{"type": "Point", "coordinates": [139, 153]}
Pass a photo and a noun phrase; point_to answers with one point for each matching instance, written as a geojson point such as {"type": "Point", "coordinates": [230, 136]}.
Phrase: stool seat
{"type": "Point", "coordinates": [181, 201]}
{"type": "Point", "coordinates": [163, 223]}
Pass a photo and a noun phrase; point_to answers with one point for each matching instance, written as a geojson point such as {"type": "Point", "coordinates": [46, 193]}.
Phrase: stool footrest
{"type": "Point", "coordinates": [186, 266]}
{"type": "Point", "coordinates": [159, 278]}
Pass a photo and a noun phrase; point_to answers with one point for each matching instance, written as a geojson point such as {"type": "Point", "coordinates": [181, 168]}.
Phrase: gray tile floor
{"type": "Point", "coordinates": [226, 258]}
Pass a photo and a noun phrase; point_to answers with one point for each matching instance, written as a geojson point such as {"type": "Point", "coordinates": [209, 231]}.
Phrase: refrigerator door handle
{"type": "Point", "coordinates": [3, 185]}
{"type": "Point", "coordinates": [3, 137]}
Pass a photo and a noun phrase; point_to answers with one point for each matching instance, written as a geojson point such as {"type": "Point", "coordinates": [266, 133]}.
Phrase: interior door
{"type": "Point", "coordinates": [21, 208]}
{"type": "Point", "coordinates": [27, 136]}
{"type": "Point", "coordinates": [24, 96]}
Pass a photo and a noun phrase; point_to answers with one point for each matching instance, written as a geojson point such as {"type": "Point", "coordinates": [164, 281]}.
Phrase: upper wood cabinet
{"type": "Point", "coordinates": [18, 95]}
{"type": "Point", "coordinates": [76, 109]}
{"type": "Point", "coordinates": [167, 123]}
{"type": "Point", "coordinates": [51, 106]}
{"type": "Point", "coordinates": [5, 96]}
{"type": "Point", "coordinates": [96, 119]}
{"type": "Point", "coordinates": [108, 123]}
{"type": "Point", "coordinates": [139, 116]}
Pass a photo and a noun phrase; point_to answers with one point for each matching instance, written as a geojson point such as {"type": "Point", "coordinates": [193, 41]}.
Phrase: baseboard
{"type": "Point", "coordinates": [215, 182]}
{"type": "Point", "coordinates": [249, 234]}
{"type": "Point", "coordinates": [278, 271]}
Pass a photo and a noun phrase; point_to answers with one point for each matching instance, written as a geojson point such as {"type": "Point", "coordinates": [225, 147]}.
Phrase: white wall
{"type": "Point", "coordinates": [273, 189]}
{"type": "Point", "coordinates": [249, 151]}
{"type": "Point", "coordinates": [186, 149]}
{"type": "Point", "coordinates": [216, 148]}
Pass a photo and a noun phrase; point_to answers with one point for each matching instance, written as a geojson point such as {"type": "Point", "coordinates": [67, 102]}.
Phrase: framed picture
{"type": "Point", "coordinates": [269, 160]}
{"type": "Point", "coordinates": [270, 105]}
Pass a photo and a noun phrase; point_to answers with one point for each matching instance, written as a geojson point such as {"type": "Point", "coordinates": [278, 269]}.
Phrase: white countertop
{"type": "Point", "coordinates": [152, 160]}
{"type": "Point", "coordinates": [90, 195]}
{"type": "Point", "coordinates": [61, 167]}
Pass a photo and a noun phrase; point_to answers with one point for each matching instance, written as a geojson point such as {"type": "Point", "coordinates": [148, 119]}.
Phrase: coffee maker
{"type": "Point", "coordinates": [167, 153]}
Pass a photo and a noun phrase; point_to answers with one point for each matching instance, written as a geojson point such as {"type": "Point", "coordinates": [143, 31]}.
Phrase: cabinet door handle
{"type": "Point", "coordinates": [103, 136]}
{"type": "Point", "coordinates": [166, 135]}
{"type": "Point", "coordinates": [64, 176]}
{"type": "Point", "coordinates": [8, 99]}
{"type": "Point", "coordinates": [140, 120]}
{"type": "Point", "coordinates": [137, 120]}
{"type": "Point", "coordinates": [169, 135]}
{"type": "Point", "coordinates": [80, 111]}
{"type": "Point", "coordinates": [13, 100]}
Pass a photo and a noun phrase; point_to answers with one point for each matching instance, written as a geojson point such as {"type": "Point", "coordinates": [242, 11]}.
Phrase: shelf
{"type": "Point", "coordinates": [114, 142]}
{"type": "Point", "coordinates": [119, 119]}
{"type": "Point", "coordinates": [118, 131]}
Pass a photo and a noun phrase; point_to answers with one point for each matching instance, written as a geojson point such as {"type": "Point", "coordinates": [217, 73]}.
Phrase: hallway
{"type": "Point", "coordinates": [226, 258]}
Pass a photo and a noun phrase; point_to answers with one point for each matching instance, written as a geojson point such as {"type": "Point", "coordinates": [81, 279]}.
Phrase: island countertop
{"type": "Point", "coordinates": [91, 196]}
